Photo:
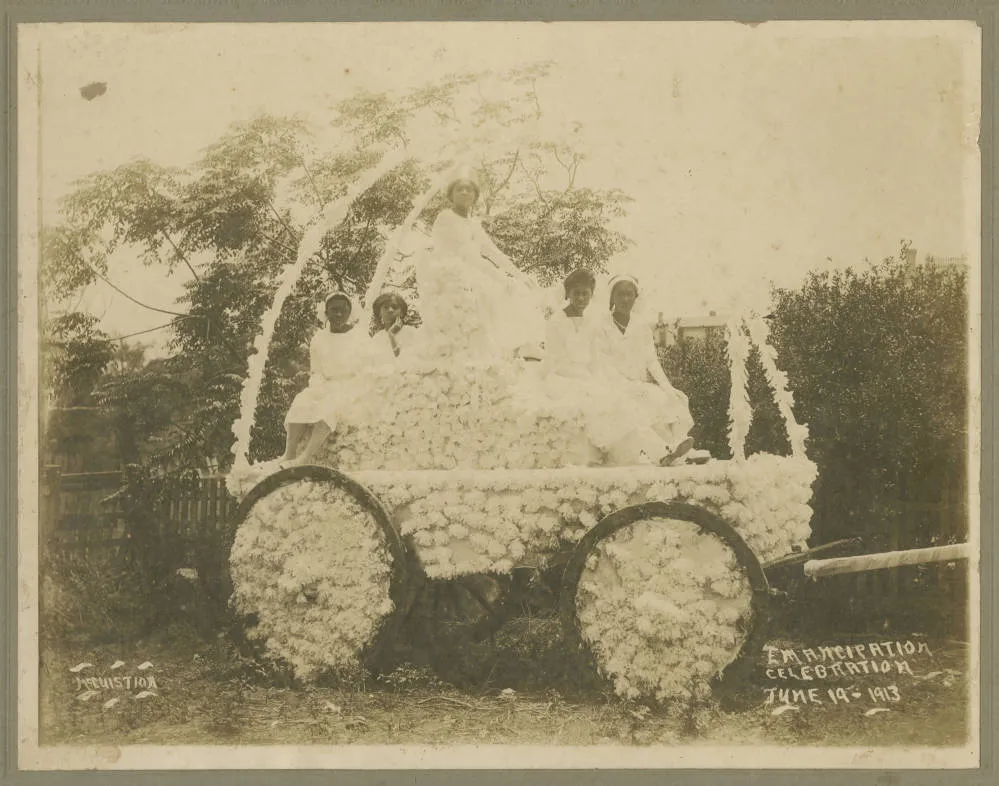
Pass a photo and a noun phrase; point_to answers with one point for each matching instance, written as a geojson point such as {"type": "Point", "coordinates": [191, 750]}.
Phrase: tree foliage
{"type": "Point", "coordinates": [699, 367]}
{"type": "Point", "coordinates": [878, 361]}
{"type": "Point", "coordinates": [232, 221]}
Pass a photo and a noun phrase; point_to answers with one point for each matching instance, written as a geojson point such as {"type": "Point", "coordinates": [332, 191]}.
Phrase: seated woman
{"type": "Point", "coordinates": [574, 371]}
{"type": "Point", "coordinates": [392, 334]}
{"type": "Point", "coordinates": [631, 351]}
{"type": "Point", "coordinates": [335, 356]}
{"type": "Point", "coordinates": [477, 306]}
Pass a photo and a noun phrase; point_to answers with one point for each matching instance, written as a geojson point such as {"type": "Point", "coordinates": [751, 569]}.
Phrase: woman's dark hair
{"type": "Point", "coordinates": [579, 277]}
{"type": "Point", "coordinates": [453, 184]}
{"type": "Point", "coordinates": [389, 297]}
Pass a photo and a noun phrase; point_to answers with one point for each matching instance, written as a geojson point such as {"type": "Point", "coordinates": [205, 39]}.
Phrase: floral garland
{"type": "Point", "coordinates": [307, 248]}
{"type": "Point", "coordinates": [464, 522]}
{"type": "Point", "coordinates": [759, 331]}
{"type": "Point", "coordinates": [664, 608]}
{"type": "Point", "coordinates": [309, 562]}
{"type": "Point", "coordinates": [312, 565]}
{"type": "Point", "coordinates": [740, 412]}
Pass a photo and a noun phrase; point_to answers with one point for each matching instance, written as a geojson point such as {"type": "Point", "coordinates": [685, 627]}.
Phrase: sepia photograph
{"type": "Point", "coordinates": [499, 394]}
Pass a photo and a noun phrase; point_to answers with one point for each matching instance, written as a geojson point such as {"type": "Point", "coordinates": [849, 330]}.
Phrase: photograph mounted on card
{"type": "Point", "coordinates": [488, 395]}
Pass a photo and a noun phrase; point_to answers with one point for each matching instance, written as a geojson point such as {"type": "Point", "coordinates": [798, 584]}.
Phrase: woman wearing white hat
{"type": "Point", "coordinates": [631, 350]}
{"type": "Point", "coordinates": [336, 354]}
{"type": "Point", "coordinates": [475, 302]}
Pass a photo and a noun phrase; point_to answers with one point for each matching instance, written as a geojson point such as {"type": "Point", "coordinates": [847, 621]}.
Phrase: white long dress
{"type": "Point", "coordinates": [473, 307]}
{"type": "Point", "coordinates": [575, 371]}
{"type": "Point", "coordinates": [633, 354]}
{"type": "Point", "coordinates": [334, 361]}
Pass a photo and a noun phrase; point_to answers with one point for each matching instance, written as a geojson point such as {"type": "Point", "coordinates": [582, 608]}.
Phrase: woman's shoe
{"type": "Point", "coordinates": [678, 452]}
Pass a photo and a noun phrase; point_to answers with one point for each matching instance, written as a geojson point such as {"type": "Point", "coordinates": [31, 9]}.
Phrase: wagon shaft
{"type": "Point", "coordinates": [890, 559]}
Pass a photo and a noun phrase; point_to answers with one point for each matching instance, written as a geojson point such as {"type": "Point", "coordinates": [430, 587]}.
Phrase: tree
{"type": "Point", "coordinates": [235, 218]}
{"type": "Point", "coordinates": [699, 367]}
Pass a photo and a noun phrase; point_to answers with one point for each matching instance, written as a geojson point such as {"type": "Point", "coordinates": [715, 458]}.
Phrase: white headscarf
{"type": "Point", "coordinates": [337, 293]}
{"type": "Point", "coordinates": [620, 279]}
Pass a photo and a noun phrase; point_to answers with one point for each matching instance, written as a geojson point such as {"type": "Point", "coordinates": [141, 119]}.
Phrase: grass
{"type": "Point", "coordinates": [520, 688]}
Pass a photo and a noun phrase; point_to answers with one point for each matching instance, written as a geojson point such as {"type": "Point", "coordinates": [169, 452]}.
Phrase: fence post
{"type": "Point", "coordinates": [50, 504]}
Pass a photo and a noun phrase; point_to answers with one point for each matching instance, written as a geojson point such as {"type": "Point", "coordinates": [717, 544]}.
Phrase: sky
{"type": "Point", "coordinates": [752, 154]}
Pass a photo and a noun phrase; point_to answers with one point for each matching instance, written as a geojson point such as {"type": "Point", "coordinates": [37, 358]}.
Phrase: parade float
{"type": "Point", "coordinates": [660, 569]}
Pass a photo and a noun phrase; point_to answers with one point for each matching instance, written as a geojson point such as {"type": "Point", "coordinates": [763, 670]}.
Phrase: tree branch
{"type": "Point", "coordinates": [178, 252]}
{"type": "Point", "coordinates": [122, 292]}
{"type": "Point", "coordinates": [504, 183]}
{"type": "Point", "coordinates": [534, 182]}
{"type": "Point", "coordinates": [281, 220]}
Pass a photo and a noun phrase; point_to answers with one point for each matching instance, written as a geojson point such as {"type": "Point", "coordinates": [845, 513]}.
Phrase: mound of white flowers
{"type": "Point", "coordinates": [313, 566]}
{"type": "Point", "coordinates": [424, 415]}
{"type": "Point", "coordinates": [664, 608]}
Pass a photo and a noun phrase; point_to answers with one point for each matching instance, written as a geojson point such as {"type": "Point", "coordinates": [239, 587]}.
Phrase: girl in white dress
{"type": "Point", "coordinates": [631, 351]}
{"type": "Point", "coordinates": [335, 357]}
{"type": "Point", "coordinates": [393, 335]}
{"type": "Point", "coordinates": [575, 372]}
{"type": "Point", "coordinates": [476, 305]}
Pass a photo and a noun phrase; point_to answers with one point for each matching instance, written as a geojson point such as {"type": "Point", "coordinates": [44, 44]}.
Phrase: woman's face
{"type": "Point", "coordinates": [625, 295]}
{"type": "Point", "coordinates": [579, 296]}
{"type": "Point", "coordinates": [388, 313]}
{"type": "Point", "coordinates": [463, 194]}
{"type": "Point", "coordinates": [338, 312]}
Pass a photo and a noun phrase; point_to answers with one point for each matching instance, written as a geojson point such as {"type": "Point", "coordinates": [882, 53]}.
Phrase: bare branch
{"type": "Point", "coordinates": [277, 215]}
{"type": "Point", "coordinates": [506, 181]}
{"type": "Point", "coordinates": [534, 181]}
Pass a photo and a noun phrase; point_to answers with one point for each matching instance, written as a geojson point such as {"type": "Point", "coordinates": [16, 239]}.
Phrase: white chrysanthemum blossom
{"type": "Point", "coordinates": [659, 604]}
{"type": "Point", "coordinates": [313, 566]}
{"type": "Point", "coordinates": [492, 511]}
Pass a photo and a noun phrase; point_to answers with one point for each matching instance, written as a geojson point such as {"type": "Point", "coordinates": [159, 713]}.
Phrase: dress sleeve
{"type": "Point", "coordinates": [492, 252]}
{"type": "Point", "coordinates": [554, 346]}
{"type": "Point", "coordinates": [652, 364]}
{"type": "Point", "coordinates": [449, 234]}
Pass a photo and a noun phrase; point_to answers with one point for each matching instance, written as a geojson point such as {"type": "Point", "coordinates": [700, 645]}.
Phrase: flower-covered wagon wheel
{"type": "Point", "coordinates": [316, 561]}
{"type": "Point", "coordinates": [667, 599]}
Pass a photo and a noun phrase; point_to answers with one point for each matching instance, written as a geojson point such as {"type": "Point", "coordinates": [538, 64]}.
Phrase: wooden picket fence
{"type": "Point", "coordinates": [79, 511]}
{"type": "Point", "coordinates": [913, 597]}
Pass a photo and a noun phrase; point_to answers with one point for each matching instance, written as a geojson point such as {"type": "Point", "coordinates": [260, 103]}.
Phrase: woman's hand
{"type": "Point", "coordinates": [395, 327]}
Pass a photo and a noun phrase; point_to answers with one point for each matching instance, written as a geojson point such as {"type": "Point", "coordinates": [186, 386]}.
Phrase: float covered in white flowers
{"type": "Point", "coordinates": [450, 476]}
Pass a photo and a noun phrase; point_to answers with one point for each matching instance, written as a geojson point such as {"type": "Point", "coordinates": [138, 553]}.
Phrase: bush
{"type": "Point", "coordinates": [878, 364]}
{"type": "Point", "coordinates": [124, 591]}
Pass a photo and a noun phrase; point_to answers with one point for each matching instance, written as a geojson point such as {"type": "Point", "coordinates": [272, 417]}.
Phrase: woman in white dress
{"type": "Point", "coordinates": [631, 352]}
{"type": "Point", "coordinates": [335, 356]}
{"type": "Point", "coordinates": [476, 305]}
{"type": "Point", "coordinates": [575, 372]}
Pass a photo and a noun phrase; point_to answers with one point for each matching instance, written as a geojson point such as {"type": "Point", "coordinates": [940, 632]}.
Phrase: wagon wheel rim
{"type": "Point", "coordinates": [406, 574]}
{"type": "Point", "coordinates": [737, 670]}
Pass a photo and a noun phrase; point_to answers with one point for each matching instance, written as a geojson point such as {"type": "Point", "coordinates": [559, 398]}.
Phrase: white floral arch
{"type": "Point", "coordinates": [738, 345]}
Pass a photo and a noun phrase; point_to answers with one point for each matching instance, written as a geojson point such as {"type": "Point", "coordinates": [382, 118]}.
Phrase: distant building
{"type": "Point", "coordinates": [958, 262]}
{"type": "Point", "coordinates": [688, 328]}
{"type": "Point", "coordinates": [911, 256]}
